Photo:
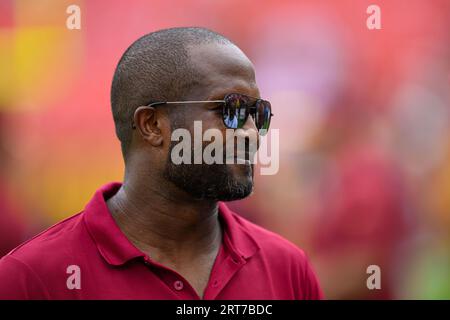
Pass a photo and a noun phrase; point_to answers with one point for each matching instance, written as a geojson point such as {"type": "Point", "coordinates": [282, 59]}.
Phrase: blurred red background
{"type": "Point", "coordinates": [363, 116]}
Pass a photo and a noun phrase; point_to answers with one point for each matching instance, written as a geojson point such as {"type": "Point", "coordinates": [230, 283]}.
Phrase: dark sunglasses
{"type": "Point", "coordinates": [236, 109]}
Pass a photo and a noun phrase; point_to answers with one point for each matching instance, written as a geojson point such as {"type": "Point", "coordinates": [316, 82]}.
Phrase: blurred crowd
{"type": "Point", "coordinates": [363, 116]}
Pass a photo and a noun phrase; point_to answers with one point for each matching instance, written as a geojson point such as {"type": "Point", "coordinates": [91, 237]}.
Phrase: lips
{"type": "Point", "coordinates": [240, 160]}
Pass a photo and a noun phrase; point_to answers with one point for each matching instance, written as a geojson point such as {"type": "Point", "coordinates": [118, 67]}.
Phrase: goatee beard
{"type": "Point", "coordinates": [211, 181]}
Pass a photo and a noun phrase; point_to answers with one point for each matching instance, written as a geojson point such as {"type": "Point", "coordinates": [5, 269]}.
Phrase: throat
{"type": "Point", "coordinates": [194, 264]}
{"type": "Point", "coordinates": [170, 227]}
{"type": "Point", "coordinates": [185, 239]}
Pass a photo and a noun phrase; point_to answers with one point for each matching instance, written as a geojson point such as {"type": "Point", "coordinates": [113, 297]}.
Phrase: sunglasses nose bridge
{"type": "Point", "coordinates": [249, 132]}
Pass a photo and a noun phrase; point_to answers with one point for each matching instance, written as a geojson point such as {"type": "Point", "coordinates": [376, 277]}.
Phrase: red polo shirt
{"type": "Point", "coordinates": [88, 257]}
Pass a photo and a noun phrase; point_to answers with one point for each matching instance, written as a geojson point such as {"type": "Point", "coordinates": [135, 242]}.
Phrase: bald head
{"type": "Point", "coordinates": [156, 67]}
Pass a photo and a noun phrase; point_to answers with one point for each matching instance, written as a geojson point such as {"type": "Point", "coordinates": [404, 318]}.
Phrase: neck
{"type": "Point", "coordinates": [163, 221]}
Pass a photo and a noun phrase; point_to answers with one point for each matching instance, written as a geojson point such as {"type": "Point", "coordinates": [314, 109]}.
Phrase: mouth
{"type": "Point", "coordinates": [239, 158]}
{"type": "Point", "coordinates": [242, 161]}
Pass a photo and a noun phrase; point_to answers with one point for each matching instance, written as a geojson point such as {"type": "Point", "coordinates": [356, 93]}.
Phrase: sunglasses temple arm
{"type": "Point", "coordinates": [207, 101]}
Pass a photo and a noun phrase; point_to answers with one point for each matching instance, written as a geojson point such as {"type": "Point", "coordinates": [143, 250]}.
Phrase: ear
{"type": "Point", "coordinates": [148, 122]}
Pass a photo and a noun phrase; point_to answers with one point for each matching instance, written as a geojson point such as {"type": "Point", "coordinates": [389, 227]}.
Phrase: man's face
{"type": "Point", "coordinates": [224, 69]}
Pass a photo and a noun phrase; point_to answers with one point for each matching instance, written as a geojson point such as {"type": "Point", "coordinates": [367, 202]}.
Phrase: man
{"type": "Point", "coordinates": [164, 233]}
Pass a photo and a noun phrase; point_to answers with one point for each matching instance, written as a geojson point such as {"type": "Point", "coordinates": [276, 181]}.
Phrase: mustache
{"type": "Point", "coordinates": [243, 151]}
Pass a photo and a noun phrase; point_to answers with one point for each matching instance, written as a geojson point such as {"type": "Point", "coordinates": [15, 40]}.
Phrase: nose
{"type": "Point", "coordinates": [249, 132]}
{"type": "Point", "coordinates": [250, 124]}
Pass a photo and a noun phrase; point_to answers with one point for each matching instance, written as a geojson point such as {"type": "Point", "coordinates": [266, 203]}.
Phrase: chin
{"type": "Point", "coordinates": [236, 193]}
{"type": "Point", "coordinates": [239, 184]}
{"type": "Point", "coordinates": [241, 171]}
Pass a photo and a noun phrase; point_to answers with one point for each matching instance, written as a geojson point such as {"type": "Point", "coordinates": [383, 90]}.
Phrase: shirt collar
{"type": "Point", "coordinates": [116, 249]}
{"type": "Point", "coordinates": [111, 242]}
{"type": "Point", "coordinates": [240, 243]}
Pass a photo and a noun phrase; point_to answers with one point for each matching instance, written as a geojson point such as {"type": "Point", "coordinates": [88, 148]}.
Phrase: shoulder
{"type": "Point", "coordinates": [55, 241]}
{"type": "Point", "coordinates": [24, 270]}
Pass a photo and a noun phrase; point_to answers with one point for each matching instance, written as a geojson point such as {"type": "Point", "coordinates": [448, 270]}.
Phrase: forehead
{"type": "Point", "coordinates": [223, 68]}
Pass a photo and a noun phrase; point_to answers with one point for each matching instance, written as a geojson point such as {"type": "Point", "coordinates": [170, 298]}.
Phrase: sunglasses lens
{"type": "Point", "coordinates": [263, 116]}
{"type": "Point", "coordinates": [235, 111]}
